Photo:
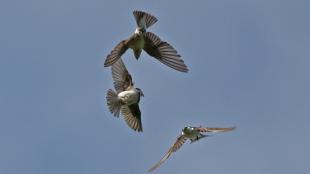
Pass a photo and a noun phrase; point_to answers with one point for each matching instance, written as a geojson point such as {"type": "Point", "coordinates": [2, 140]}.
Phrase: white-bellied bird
{"type": "Point", "coordinates": [191, 133]}
{"type": "Point", "coordinates": [149, 42]}
{"type": "Point", "coordinates": [126, 98]}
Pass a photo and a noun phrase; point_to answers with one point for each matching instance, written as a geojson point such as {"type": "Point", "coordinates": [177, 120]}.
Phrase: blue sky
{"type": "Point", "coordinates": [249, 67]}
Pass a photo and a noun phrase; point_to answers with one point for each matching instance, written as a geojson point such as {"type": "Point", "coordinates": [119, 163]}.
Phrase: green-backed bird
{"type": "Point", "coordinates": [149, 42]}
{"type": "Point", "coordinates": [191, 133]}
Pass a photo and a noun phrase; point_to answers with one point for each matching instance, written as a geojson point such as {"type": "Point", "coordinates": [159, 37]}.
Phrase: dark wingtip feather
{"type": "Point", "coordinates": [110, 60]}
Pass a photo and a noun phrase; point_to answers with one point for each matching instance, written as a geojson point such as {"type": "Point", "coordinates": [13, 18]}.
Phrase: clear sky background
{"type": "Point", "coordinates": [249, 67]}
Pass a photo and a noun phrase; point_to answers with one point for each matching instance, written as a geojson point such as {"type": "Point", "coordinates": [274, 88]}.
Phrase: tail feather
{"type": "Point", "coordinates": [143, 19]}
{"type": "Point", "coordinates": [114, 104]}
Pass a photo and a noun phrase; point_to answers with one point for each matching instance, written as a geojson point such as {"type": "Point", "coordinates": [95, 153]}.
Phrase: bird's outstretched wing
{"type": "Point", "coordinates": [132, 116]}
{"type": "Point", "coordinates": [176, 145]}
{"type": "Point", "coordinates": [213, 129]}
{"type": "Point", "coordinates": [116, 53]}
{"type": "Point", "coordinates": [163, 52]}
{"type": "Point", "coordinates": [143, 19]}
{"type": "Point", "coordinates": [122, 78]}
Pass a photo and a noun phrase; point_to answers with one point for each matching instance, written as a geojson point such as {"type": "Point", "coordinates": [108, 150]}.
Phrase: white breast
{"type": "Point", "coordinates": [129, 97]}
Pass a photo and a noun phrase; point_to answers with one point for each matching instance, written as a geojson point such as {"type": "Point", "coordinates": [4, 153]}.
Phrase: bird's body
{"type": "Point", "coordinates": [149, 42]}
{"type": "Point", "coordinates": [136, 43]}
{"type": "Point", "coordinates": [129, 97]}
{"type": "Point", "coordinates": [192, 134]}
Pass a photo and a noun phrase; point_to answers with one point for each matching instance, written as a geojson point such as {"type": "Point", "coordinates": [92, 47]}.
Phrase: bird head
{"type": "Point", "coordinates": [140, 92]}
{"type": "Point", "coordinates": [186, 128]}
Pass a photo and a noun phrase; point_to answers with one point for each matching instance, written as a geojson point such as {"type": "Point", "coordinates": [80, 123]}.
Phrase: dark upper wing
{"type": "Point", "coordinates": [176, 145]}
{"type": "Point", "coordinates": [163, 52]}
{"type": "Point", "coordinates": [116, 53]}
{"type": "Point", "coordinates": [143, 19]}
{"type": "Point", "coordinates": [122, 78]}
{"type": "Point", "coordinates": [132, 116]}
{"type": "Point", "coordinates": [213, 129]}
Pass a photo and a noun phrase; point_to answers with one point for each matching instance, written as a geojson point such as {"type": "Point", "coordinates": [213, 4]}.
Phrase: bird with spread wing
{"type": "Point", "coordinates": [126, 98]}
{"type": "Point", "coordinates": [191, 133]}
{"type": "Point", "coordinates": [149, 42]}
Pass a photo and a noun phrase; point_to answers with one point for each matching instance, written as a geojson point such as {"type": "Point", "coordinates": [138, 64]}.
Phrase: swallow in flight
{"type": "Point", "coordinates": [193, 134]}
{"type": "Point", "coordinates": [149, 42]}
{"type": "Point", "coordinates": [126, 98]}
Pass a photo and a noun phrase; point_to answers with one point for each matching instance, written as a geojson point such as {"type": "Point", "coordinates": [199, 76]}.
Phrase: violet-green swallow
{"type": "Point", "coordinates": [191, 133]}
{"type": "Point", "coordinates": [149, 42]}
{"type": "Point", "coordinates": [126, 98]}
